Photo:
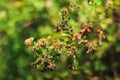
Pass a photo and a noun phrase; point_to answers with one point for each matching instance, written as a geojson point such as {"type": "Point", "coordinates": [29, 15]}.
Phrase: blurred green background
{"type": "Point", "coordinates": [21, 19]}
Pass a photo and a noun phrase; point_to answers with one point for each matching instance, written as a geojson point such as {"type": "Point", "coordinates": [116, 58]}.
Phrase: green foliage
{"type": "Point", "coordinates": [37, 18]}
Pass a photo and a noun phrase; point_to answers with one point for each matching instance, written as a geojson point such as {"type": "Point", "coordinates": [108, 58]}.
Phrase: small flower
{"type": "Point", "coordinates": [49, 37]}
{"type": "Point", "coordinates": [57, 44]}
{"type": "Point", "coordinates": [91, 47]}
{"type": "Point", "coordinates": [64, 11]}
{"type": "Point", "coordinates": [87, 27]}
{"type": "Point", "coordinates": [28, 42]}
{"type": "Point", "coordinates": [101, 36]}
{"type": "Point", "coordinates": [51, 66]}
{"type": "Point", "coordinates": [41, 42]}
{"type": "Point", "coordinates": [85, 41]}
{"type": "Point", "coordinates": [77, 36]}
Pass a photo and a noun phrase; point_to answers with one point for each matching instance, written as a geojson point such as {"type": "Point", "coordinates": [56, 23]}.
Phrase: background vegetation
{"type": "Point", "coordinates": [20, 19]}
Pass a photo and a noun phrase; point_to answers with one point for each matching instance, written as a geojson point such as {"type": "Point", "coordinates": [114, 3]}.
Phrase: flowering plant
{"type": "Point", "coordinates": [48, 51]}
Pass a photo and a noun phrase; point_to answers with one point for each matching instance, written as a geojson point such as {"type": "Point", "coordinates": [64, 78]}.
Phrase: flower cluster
{"type": "Point", "coordinates": [48, 50]}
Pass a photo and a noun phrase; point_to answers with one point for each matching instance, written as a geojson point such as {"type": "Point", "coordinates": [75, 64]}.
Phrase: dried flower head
{"type": "Point", "coordinates": [29, 41]}
{"type": "Point", "coordinates": [77, 36]}
{"type": "Point", "coordinates": [101, 36]}
{"type": "Point", "coordinates": [92, 46]}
